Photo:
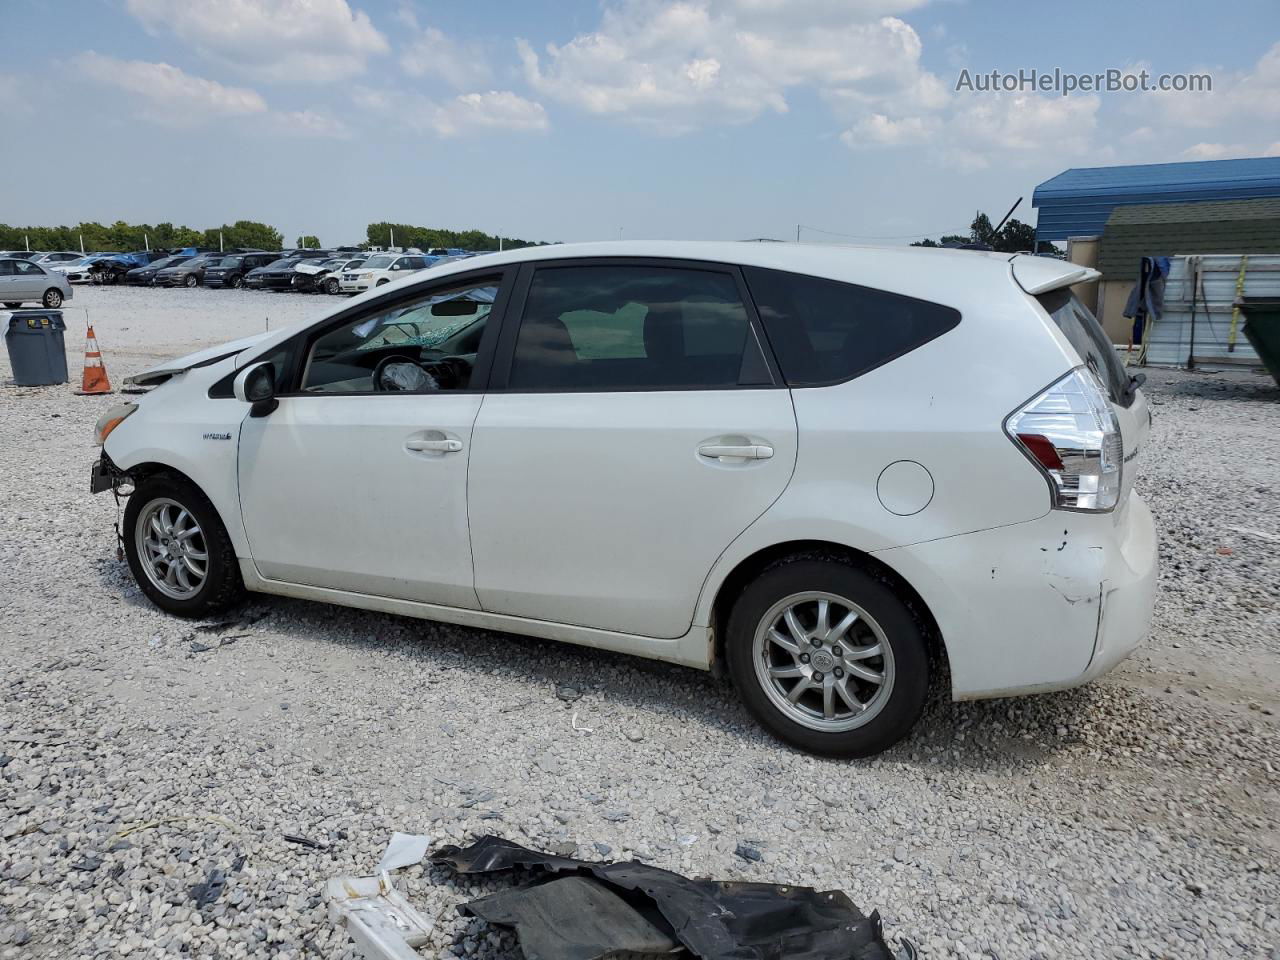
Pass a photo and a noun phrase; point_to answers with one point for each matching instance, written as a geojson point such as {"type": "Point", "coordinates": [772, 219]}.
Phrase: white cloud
{"type": "Point", "coordinates": [433, 54]}
{"type": "Point", "coordinates": [310, 123]}
{"type": "Point", "coordinates": [1215, 151]}
{"type": "Point", "coordinates": [167, 94]}
{"type": "Point", "coordinates": [305, 41]}
{"type": "Point", "coordinates": [468, 113]}
{"type": "Point", "coordinates": [678, 65]}
{"type": "Point", "coordinates": [973, 133]}
{"type": "Point", "coordinates": [1237, 96]}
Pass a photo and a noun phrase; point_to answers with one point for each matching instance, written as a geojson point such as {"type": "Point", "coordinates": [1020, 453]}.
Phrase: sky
{"type": "Point", "coordinates": [573, 120]}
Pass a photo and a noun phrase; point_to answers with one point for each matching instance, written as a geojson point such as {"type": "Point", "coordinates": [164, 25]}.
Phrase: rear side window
{"type": "Point", "coordinates": [634, 327]}
{"type": "Point", "coordinates": [1085, 334]}
{"type": "Point", "coordinates": [825, 331]}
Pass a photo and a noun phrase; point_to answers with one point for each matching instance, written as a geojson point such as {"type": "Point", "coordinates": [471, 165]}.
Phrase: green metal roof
{"type": "Point", "coordinates": [1166, 229]}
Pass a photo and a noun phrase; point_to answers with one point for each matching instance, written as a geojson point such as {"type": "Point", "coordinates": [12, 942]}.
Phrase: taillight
{"type": "Point", "coordinates": [1071, 433]}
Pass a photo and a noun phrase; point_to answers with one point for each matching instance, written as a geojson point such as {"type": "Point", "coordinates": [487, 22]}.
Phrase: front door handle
{"type": "Point", "coordinates": [434, 446]}
{"type": "Point", "coordinates": [744, 451]}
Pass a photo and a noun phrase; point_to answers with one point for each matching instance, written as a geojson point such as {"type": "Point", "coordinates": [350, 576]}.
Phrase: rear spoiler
{"type": "Point", "coordinates": [1037, 275]}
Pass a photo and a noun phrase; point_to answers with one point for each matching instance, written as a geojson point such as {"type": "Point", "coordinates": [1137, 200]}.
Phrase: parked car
{"type": "Point", "coordinates": [49, 260]}
{"type": "Point", "coordinates": [829, 471]}
{"type": "Point", "coordinates": [187, 273]}
{"type": "Point", "coordinates": [76, 271]}
{"type": "Point", "coordinates": [333, 278]}
{"type": "Point", "coordinates": [146, 276]}
{"type": "Point", "coordinates": [231, 270]}
{"type": "Point", "coordinates": [23, 281]}
{"type": "Point", "coordinates": [379, 269]}
{"type": "Point", "coordinates": [319, 274]}
{"type": "Point", "coordinates": [446, 252]}
{"type": "Point", "coordinates": [278, 275]}
{"type": "Point", "coordinates": [111, 268]}
{"type": "Point", "coordinates": [22, 254]}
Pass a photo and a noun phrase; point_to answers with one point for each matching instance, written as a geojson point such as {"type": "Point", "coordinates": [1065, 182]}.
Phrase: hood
{"type": "Point", "coordinates": [311, 268]}
{"type": "Point", "coordinates": [159, 374]}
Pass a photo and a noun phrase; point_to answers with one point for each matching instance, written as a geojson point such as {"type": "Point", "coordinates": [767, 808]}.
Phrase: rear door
{"type": "Point", "coordinates": [634, 428]}
{"type": "Point", "coordinates": [1087, 336]}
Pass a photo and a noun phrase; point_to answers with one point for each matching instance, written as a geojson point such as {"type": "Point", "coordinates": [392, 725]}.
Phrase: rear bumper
{"type": "Point", "coordinates": [1038, 606]}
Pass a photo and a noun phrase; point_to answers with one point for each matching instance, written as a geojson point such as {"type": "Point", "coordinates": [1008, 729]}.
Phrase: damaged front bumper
{"type": "Point", "coordinates": [105, 475]}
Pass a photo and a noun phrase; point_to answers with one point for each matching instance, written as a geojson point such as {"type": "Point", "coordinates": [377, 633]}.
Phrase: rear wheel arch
{"type": "Point", "coordinates": [749, 568]}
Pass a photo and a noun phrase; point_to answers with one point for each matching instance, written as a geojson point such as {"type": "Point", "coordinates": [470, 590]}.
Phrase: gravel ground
{"type": "Point", "coordinates": [1134, 818]}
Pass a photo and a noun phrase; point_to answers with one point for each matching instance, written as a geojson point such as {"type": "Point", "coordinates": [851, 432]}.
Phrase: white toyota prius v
{"type": "Point", "coordinates": [829, 472]}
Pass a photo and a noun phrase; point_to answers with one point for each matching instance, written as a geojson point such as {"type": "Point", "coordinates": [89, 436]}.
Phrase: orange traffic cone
{"type": "Point", "coordinates": [95, 373]}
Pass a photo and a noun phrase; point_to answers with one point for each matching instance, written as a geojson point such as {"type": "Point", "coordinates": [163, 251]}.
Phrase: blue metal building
{"type": "Point", "coordinates": [1077, 202]}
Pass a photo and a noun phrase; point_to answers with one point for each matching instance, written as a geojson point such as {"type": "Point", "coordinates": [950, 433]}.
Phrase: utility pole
{"type": "Point", "coordinates": [220, 250]}
{"type": "Point", "coordinates": [146, 242]}
{"type": "Point", "coordinates": [82, 245]}
{"type": "Point", "coordinates": [392, 231]}
{"type": "Point", "coordinates": [797, 233]}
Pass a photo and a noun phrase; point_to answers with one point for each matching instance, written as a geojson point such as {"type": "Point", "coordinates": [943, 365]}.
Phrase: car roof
{"type": "Point", "coordinates": [931, 273]}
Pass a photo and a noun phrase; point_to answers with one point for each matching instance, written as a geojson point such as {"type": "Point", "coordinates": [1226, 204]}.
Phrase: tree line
{"type": "Point", "coordinates": [407, 235]}
{"type": "Point", "coordinates": [121, 236]}
{"type": "Point", "coordinates": [1014, 237]}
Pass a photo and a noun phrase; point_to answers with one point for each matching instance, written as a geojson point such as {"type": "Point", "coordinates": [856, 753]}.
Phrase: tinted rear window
{"type": "Point", "coordinates": [1085, 334]}
{"type": "Point", "coordinates": [825, 331]}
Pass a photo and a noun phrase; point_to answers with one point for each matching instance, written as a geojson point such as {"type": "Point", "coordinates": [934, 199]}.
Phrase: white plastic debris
{"type": "Point", "coordinates": [382, 923]}
{"type": "Point", "coordinates": [404, 850]}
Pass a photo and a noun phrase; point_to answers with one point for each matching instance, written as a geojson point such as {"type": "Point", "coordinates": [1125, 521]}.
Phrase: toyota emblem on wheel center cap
{"type": "Point", "coordinates": [823, 661]}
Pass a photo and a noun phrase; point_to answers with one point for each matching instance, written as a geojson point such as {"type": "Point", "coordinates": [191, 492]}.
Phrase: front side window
{"type": "Point", "coordinates": [634, 327]}
{"type": "Point", "coordinates": [825, 331]}
{"type": "Point", "coordinates": [422, 346]}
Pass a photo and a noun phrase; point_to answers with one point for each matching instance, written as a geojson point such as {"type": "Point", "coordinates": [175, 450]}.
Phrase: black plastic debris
{"type": "Point", "coordinates": [573, 918]}
{"type": "Point", "coordinates": [712, 919]}
{"type": "Point", "coordinates": [303, 842]}
{"type": "Point", "coordinates": [205, 893]}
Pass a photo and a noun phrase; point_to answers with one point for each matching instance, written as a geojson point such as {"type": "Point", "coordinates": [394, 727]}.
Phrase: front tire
{"type": "Point", "coordinates": [236, 281]}
{"type": "Point", "coordinates": [331, 286]}
{"type": "Point", "coordinates": [13, 304]}
{"type": "Point", "coordinates": [382, 282]}
{"type": "Point", "coordinates": [52, 298]}
{"type": "Point", "coordinates": [178, 548]}
{"type": "Point", "coordinates": [192, 280]}
{"type": "Point", "coordinates": [828, 657]}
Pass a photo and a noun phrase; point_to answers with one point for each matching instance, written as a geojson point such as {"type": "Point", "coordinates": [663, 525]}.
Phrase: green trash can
{"type": "Point", "coordinates": [34, 341]}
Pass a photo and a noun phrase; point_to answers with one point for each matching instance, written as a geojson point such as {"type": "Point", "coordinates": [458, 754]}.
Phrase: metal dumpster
{"type": "Point", "coordinates": [34, 341]}
{"type": "Point", "coordinates": [1262, 327]}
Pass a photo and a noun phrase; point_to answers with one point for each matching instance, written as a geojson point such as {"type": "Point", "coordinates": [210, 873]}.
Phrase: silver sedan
{"type": "Point", "coordinates": [22, 281]}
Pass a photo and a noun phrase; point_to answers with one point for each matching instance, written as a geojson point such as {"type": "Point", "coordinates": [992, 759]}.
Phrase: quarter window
{"type": "Point", "coordinates": [422, 346]}
{"type": "Point", "coordinates": [824, 331]}
{"type": "Point", "coordinates": [634, 327]}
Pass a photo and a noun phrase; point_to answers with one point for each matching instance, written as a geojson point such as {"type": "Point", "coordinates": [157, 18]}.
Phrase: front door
{"type": "Point", "coordinates": [358, 480]}
{"type": "Point", "coordinates": [632, 431]}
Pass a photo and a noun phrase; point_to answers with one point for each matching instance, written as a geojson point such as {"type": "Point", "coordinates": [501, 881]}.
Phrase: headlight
{"type": "Point", "coordinates": [366, 276]}
{"type": "Point", "coordinates": [115, 415]}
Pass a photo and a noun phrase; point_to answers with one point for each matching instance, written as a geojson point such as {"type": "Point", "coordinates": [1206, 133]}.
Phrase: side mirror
{"type": "Point", "coordinates": [256, 384]}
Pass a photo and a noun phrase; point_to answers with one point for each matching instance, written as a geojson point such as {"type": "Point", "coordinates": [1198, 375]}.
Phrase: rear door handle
{"type": "Point", "coordinates": [434, 446]}
{"type": "Point", "coordinates": [745, 451]}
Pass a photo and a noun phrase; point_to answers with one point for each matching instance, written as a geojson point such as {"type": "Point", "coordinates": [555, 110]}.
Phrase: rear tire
{"type": "Point", "coordinates": [170, 525]}
{"type": "Point", "coordinates": [840, 693]}
{"type": "Point", "coordinates": [52, 299]}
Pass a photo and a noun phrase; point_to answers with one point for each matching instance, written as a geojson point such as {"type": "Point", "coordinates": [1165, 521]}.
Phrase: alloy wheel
{"type": "Point", "coordinates": [823, 661]}
{"type": "Point", "coordinates": [172, 549]}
